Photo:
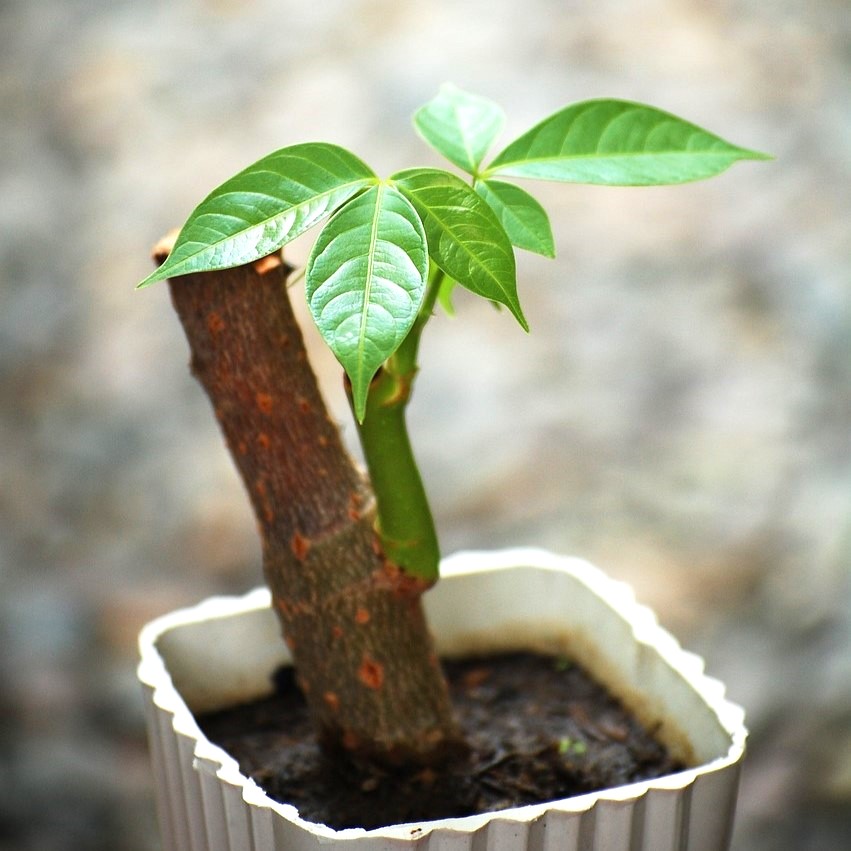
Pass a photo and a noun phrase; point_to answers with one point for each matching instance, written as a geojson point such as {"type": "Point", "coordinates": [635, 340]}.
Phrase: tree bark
{"type": "Point", "coordinates": [353, 621]}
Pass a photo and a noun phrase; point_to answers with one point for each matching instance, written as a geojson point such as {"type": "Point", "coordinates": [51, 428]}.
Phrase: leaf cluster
{"type": "Point", "coordinates": [386, 241]}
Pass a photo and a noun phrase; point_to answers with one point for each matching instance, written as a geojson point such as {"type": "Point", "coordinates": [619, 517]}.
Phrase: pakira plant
{"type": "Point", "coordinates": [347, 559]}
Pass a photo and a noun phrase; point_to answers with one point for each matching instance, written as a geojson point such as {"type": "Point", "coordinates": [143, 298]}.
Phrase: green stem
{"type": "Point", "coordinates": [404, 360]}
{"type": "Point", "coordinates": [405, 524]}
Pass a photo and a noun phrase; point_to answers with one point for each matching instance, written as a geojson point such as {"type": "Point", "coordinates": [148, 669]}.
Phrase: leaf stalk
{"type": "Point", "coordinates": [405, 524]}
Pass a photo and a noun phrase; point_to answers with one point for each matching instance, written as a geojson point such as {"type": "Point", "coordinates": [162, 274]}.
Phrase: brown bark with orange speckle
{"type": "Point", "coordinates": [353, 622]}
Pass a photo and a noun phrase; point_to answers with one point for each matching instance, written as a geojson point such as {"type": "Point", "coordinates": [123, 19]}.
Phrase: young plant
{"type": "Point", "coordinates": [347, 561]}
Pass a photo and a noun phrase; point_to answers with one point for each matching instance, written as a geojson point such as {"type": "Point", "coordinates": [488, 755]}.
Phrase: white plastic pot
{"type": "Point", "coordinates": [224, 650]}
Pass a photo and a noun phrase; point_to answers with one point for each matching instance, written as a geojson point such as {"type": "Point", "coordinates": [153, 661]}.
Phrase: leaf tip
{"type": "Point", "coordinates": [359, 399]}
{"type": "Point", "coordinates": [759, 155]}
{"type": "Point", "coordinates": [153, 278]}
{"type": "Point", "coordinates": [518, 315]}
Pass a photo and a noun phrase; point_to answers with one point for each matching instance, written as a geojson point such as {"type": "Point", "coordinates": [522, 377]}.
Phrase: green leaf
{"type": "Point", "coordinates": [263, 207]}
{"type": "Point", "coordinates": [459, 125]}
{"type": "Point", "coordinates": [523, 218]}
{"type": "Point", "coordinates": [465, 237]}
{"type": "Point", "coordinates": [366, 280]}
{"type": "Point", "coordinates": [617, 143]}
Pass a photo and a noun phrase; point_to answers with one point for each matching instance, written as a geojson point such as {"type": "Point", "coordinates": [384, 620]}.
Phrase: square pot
{"type": "Point", "coordinates": [223, 652]}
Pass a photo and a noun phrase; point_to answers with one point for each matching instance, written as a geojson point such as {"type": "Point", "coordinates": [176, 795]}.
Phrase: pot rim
{"type": "Point", "coordinates": [619, 596]}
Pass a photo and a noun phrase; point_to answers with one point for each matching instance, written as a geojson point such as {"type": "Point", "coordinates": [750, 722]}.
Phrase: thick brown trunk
{"type": "Point", "coordinates": [354, 623]}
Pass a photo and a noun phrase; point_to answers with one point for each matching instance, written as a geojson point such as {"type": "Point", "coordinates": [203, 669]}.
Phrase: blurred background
{"type": "Point", "coordinates": [680, 414]}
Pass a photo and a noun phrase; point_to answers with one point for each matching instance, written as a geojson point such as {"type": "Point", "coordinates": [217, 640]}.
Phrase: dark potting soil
{"type": "Point", "coordinates": [539, 729]}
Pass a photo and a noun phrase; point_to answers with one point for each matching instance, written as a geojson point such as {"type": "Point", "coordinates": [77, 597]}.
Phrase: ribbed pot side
{"type": "Point", "coordinates": [223, 651]}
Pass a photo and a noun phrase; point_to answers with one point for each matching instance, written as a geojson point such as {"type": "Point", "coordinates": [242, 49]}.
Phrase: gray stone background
{"type": "Point", "coordinates": [680, 413]}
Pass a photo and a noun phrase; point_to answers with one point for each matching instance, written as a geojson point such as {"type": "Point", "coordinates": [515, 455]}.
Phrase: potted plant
{"type": "Point", "coordinates": [347, 559]}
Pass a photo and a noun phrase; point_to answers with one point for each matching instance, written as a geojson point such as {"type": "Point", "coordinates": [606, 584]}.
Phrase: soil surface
{"type": "Point", "coordinates": [539, 729]}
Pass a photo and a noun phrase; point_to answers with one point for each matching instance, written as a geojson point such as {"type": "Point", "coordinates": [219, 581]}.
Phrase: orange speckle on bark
{"type": "Point", "coordinates": [350, 740]}
{"type": "Point", "coordinates": [268, 514]}
{"type": "Point", "coordinates": [362, 616]}
{"type": "Point", "coordinates": [300, 546]}
{"type": "Point", "coordinates": [337, 631]}
{"type": "Point", "coordinates": [371, 673]}
{"type": "Point", "coordinates": [303, 684]}
{"type": "Point", "coordinates": [242, 447]}
{"type": "Point", "coordinates": [391, 571]}
{"type": "Point", "coordinates": [304, 405]}
{"type": "Point", "coordinates": [322, 440]}
{"type": "Point", "coordinates": [263, 440]}
{"type": "Point", "coordinates": [392, 578]}
{"type": "Point", "coordinates": [266, 264]}
{"type": "Point", "coordinates": [260, 487]}
{"type": "Point", "coordinates": [331, 701]}
{"type": "Point", "coordinates": [264, 402]}
{"type": "Point", "coordinates": [215, 323]}
{"type": "Point", "coordinates": [355, 503]}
